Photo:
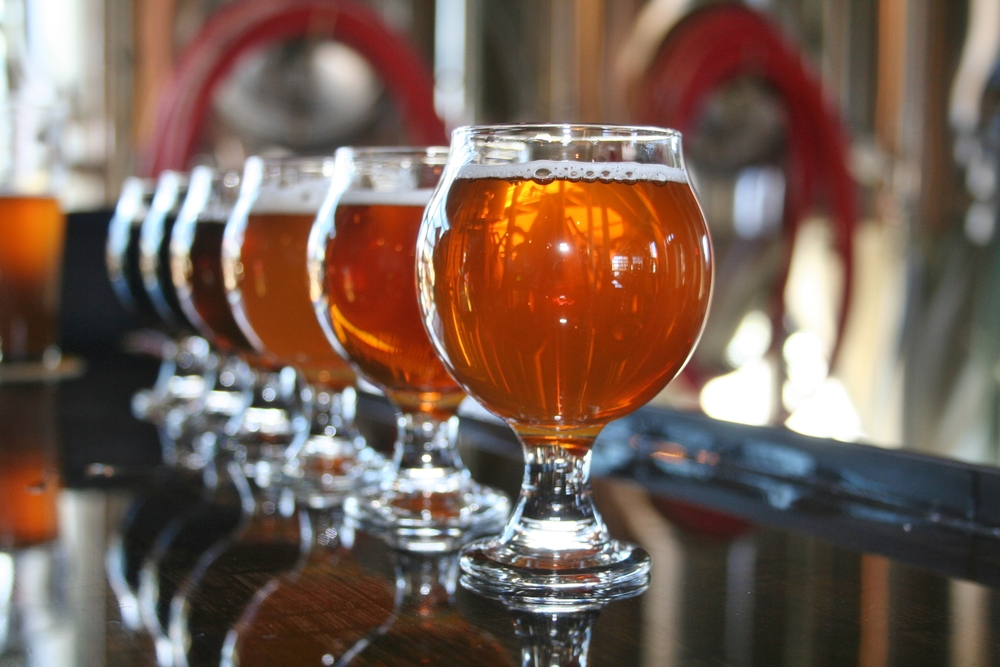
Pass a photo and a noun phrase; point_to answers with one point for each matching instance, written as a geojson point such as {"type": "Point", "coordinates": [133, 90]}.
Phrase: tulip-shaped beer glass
{"type": "Point", "coordinates": [264, 266]}
{"type": "Point", "coordinates": [564, 275]}
{"type": "Point", "coordinates": [362, 270]}
{"type": "Point", "coordinates": [196, 269]}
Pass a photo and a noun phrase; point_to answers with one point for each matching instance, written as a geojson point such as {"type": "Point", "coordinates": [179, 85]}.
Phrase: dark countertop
{"type": "Point", "coordinates": [768, 548]}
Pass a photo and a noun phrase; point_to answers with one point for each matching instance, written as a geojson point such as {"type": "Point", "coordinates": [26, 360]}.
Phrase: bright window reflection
{"type": "Point", "coordinates": [806, 368]}
{"type": "Point", "coordinates": [743, 396]}
{"type": "Point", "coordinates": [751, 340]}
{"type": "Point", "coordinates": [827, 413]}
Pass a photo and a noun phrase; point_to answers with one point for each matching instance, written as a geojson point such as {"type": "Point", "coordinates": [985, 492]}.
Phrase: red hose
{"type": "Point", "coordinates": [241, 27]}
{"type": "Point", "coordinates": [714, 46]}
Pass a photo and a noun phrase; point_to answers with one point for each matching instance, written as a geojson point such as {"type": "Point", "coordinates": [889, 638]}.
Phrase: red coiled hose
{"type": "Point", "coordinates": [241, 27]}
{"type": "Point", "coordinates": [712, 47]}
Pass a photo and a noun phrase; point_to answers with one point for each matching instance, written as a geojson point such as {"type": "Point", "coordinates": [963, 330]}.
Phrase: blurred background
{"type": "Point", "coordinates": [845, 153]}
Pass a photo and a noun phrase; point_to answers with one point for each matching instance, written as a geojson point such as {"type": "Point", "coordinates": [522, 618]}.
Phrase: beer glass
{"type": "Point", "coordinates": [264, 265]}
{"type": "Point", "coordinates": [196, 258]}
{"type": "Point", "coordinates": [32, 232]}
{"type": "Point", "coordinates": [564, 275]}
{"type": "Point", "coordinates": [196, 273]}
{"type": "Point", "coordinates": [362, 258]}
{"type": "Point", "coordinates": [122, 248]}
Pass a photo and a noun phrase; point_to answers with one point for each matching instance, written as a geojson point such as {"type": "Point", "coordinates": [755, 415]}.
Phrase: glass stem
{"type": "Point", "coordinates": [277, 418]}
{"type": "Point", "coordinates": [555, 514]}
{"type": "Point", "coordinates": [326, 531]}
{"type": "Point", "coordinates": [425, 583]}
{"type": "Point", "coordinates": [333, 412]}
{"type": "Point", "coordinates": [550, 640]}
{"type": "Point", "coordinates": [229, 395]}
{"type": "Point", "coordinates": [426, 442]}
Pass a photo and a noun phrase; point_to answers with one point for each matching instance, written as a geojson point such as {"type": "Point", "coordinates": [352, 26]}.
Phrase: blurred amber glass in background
{"type": "Point", "coordinates": [29, 472]}
{"type": "Point", "coordinates": [32, 229]}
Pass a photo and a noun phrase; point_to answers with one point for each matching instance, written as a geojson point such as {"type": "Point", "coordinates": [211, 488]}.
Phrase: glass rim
{"type": "Point", "coordinates": [402, 151]}
{"type": "Point", "coordinates": [56, 106]}
{"type": "Point", "coordinates": [290, 160]}
{"type": "Point", "coordinates": [147, 183]}
{"type": "Point", "coordinates": [580, 131]}
{"type": "Point", "coordinates": [181, 175]}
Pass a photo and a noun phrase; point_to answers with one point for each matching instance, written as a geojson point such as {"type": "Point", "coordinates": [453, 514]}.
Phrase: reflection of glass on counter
{"type": "Point", "coordinates": [549, 638]}
{"type": "Point", "coordinates": [35, 614]}
{"type": "Point", "coordinates": [179, 546]}
{"type": "Point", "coordinates": [314, 615]}
{"type": "Point", "coordinates": [272, 538]}
{"type": "Point", "coordinates": [426, 627]}
{"type": "Point", "coordinates": [32, 568]}
{"type": "Point", "coordinates": [29, 472]}
{"type": "Point", "coordinates": [172, 497]}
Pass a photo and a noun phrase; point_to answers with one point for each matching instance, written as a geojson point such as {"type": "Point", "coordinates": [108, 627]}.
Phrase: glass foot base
{"type": "Point", "coordinates": [619, 571]}
{"type": "Point", "coordinates": [327, 468]}
{"type": "Point", "coordinates": [428, 521]}
{"type": "Point", "coordinates": [265, 434]}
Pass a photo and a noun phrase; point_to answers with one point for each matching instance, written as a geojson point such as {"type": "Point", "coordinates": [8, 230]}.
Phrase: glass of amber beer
{"type": "Point", "coordinates": [32, 231]}
{"type": "Point", "coordinates": [362, 270]}
{"type": "Point", "coordinates": [264, 267]}
{"type": "Point", "coordinates": [564, 275]}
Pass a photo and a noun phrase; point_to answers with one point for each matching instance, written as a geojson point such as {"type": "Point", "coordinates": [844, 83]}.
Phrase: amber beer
{"type": "Point", "coordinates": [29, 467]}
{"type": "Point", "coordinates": [569, 294]}
{"type": "Point", "coordinates": [32, 231]}
{"type": "Point", "coordinates": [29, 490]}
{"type": "Point", "coordinates": [273, 294]}
{"type": "Point", "coordinates": [371, 286]}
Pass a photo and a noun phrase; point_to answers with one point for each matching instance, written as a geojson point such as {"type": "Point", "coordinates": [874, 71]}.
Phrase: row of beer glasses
{"type": "Point", "coordinates": [139, 268]}
{"type": "Point", "coordinates": [560, 275]}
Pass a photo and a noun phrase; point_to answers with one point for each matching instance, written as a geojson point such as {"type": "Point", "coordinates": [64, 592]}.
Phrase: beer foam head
{"type": "Point", "coordinates": [386, 197]}
{"type": "Point", "coordinates": [589, 172]}
{"type": "Point", "coordinates": [304, 197]}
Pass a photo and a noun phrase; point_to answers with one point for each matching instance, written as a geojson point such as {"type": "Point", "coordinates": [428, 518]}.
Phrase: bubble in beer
{"type": "Point", "coordinates": [545, 171]}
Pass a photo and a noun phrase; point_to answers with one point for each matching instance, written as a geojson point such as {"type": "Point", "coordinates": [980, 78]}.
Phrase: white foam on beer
{"type": "Point", "coordinates": [386, 197]}
{"type": "Point", "coordinates": [589, 172]}
{"type": "Point", "coordinates": [296, 198]}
